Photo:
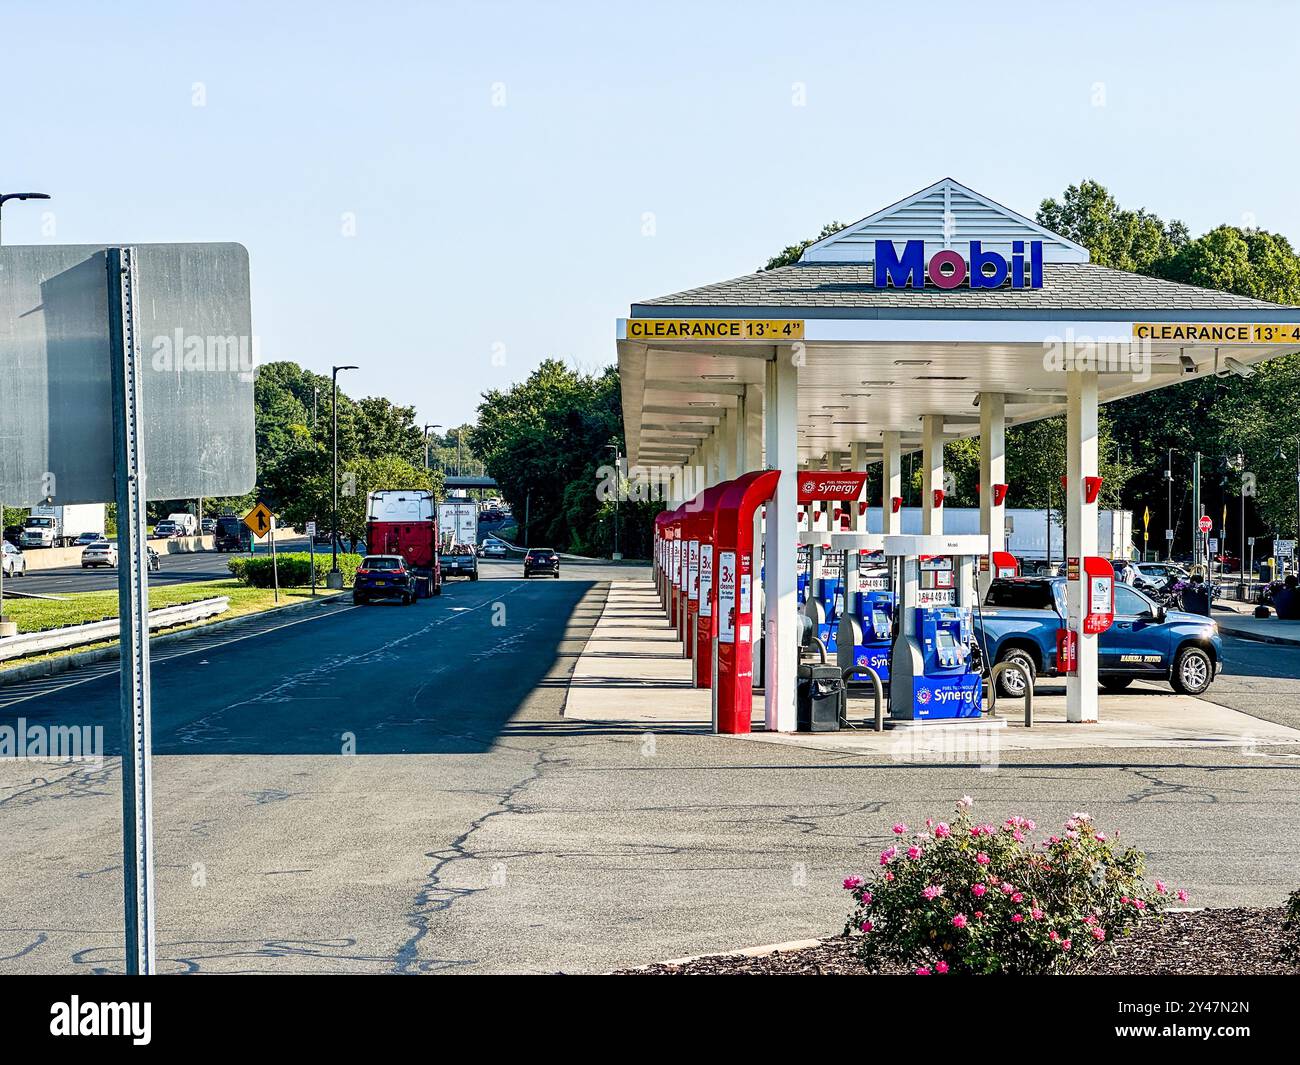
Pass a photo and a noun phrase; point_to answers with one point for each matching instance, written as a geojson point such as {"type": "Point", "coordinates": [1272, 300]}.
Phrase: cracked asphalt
{"type": "Point", "coordinates": [395, 790]}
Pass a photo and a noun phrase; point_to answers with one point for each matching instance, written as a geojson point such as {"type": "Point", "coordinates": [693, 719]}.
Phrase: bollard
{"type": "Point", "coordinates": [877, 689]}
{"type": "Point", "coordinates": [996, 672]}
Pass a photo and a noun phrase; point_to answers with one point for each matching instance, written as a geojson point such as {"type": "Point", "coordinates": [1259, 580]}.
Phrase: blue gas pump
{"type": "Point", "coordinates": [825, 589]}
{"type": "Point", "coordinates": [866, 623]}
{"type": "Point", "coordinates": [933, 675]}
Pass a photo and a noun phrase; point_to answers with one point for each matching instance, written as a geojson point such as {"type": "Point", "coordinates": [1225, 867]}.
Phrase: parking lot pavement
{"type": "Point", "coordinates": [1259, 679]}
{"type": "Point", "coordinates": [479, 829]}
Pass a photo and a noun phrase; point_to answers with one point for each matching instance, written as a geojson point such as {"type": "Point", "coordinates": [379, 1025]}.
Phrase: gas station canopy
{"type": "Point", "coordinates": [969, 298]}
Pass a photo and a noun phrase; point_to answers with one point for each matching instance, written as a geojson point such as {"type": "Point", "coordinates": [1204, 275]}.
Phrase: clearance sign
{"type": "Point", "coordinates": [714, 329]}
{"type": "Point", "coordinates": [1217, 332]}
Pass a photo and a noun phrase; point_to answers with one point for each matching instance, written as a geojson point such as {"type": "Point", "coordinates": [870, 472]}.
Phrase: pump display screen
{"type": "Point", "coordinates": [946, 648]}
{"type": "Point", "coordinates": [880, 622]}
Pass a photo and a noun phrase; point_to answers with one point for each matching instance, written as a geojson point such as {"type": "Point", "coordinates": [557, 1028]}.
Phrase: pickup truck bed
{"type": "Point", "coordinates": [459, 565]}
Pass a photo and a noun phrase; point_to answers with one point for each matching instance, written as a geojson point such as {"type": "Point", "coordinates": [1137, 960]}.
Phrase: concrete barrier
{"type": "Point", "coordinates": [40, 558]}
{"type": "Point", "coordinates": [34, 643]}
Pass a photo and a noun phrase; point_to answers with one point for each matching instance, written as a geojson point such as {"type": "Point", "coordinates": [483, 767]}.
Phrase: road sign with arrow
{"type": "Point", "coordinates": [259, 519]}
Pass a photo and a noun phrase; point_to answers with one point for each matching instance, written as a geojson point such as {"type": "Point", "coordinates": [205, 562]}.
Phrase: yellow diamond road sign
{"type": "Point", "coordinates": [259, 519]}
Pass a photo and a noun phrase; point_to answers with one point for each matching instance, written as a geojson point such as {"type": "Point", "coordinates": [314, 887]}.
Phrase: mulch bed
{"type": "Point", "coordinates": [1231, 942]}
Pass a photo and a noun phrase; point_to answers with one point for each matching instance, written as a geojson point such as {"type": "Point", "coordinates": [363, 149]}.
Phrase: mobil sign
{"type": "Point", "coordinates": [948, 268]}
{"type": "Point", "coordinates": [822, 484]}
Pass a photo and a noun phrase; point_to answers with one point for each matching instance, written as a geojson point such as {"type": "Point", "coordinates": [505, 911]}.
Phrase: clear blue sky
{"type": "Point", "coordinates": [521, 225]}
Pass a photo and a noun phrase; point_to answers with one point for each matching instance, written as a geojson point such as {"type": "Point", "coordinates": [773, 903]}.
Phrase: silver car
{"type": "Point", "coordinates": [100, 553]}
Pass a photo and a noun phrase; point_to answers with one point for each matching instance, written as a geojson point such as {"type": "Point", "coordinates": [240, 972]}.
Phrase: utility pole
{"type": "Point", "coordinates": [1198, 537]}
{"type": "Point", "coordinates": [1169, 508]}
{"type": "Point", "coordinates": [618, 486]}
{"type": "Point", "coordinates": [335, 577]}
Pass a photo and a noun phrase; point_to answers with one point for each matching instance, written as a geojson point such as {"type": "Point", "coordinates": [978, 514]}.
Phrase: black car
{"type": "Point", "coordinates": [383, 577]}
{"type": "Point", "coordinates": [541, 560]}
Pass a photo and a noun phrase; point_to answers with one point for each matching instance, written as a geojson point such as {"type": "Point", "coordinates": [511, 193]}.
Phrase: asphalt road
{"type": "Point", "coordinates": [475, 829]}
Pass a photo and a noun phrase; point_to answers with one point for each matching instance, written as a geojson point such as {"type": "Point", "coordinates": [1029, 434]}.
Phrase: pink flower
{"type": "Point", "coordinates": [933, 891]}
{"type": "Point", "coordinates": [959, 921]}
{"type": "Point", "coordinates": [887, 856]}
{"type": "Point", "coordinates": [866, 898]}
{"type": "Point", "coordinates": [852, 882]}
{"type": "Point", "coordinates": [1160, 886]}
{"type": "Point", "coordinates": [982, 858]}
{"type": "Point", "coordinates": [1016, 918]}
{"type": "Point", "coordinates": [1036, 914]}
{"type": "Point", "coordinates": [1065, 944]}
{"type": "Point", "coordinates": [923, 971]}
{"type": "Point", "coordinates": [1139, 904]}
{"type": "Point", "coordinates": [978, 890]}
{"type": "Point", "coordinates": [1072, 834]}
{"type": "Point", "coordinates": [900, 828]}
{"type": "Point", "coordinates": [914, 852]}
{"type": "Point", "coordinates": [1098, 934]}
{"type": "Point", "coordinates": [1019, 896]}
{"type": "Point", "coordinates": [1018, 836]}
{"type": "Point", "coordinates": [1007, 889]}
{"type": "Point", "coordinates": [1181, 896]}
{"type": "Point", "coordinates": [964, 803]}
{"type": "Point", "coordinates": [1081, 817]}
{"type": "Point", "coordinates": [942, 831]}
{"type": "Point", "coordinates": [979, 915]}
{"type": "Point", "coordinates": [866, 926]}
{"type": "Point", "coordinates": [1101, 836]}
{"type": "Point", "coordinates": [1053, 936]}
{"type": "Point", "coordinates": [941, 967]}
{"type": "Point", "coordinates": [889, 878]}
{"type": "Point", "coordinates": [1090, 919]}
{"type": "Point", "coordinates": [1054, 839]}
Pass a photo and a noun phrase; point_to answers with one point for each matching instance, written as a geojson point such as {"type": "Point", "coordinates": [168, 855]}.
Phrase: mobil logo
{"type": "Point", "coordinates": [948, 268]}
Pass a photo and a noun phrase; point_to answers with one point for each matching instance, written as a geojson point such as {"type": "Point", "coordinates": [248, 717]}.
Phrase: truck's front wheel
{"type": "Point", "coordinates": [1193, 671]}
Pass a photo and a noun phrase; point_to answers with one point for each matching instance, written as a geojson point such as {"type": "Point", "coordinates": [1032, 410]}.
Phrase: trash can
{"type": "Point", "coordinates": [821, 697]}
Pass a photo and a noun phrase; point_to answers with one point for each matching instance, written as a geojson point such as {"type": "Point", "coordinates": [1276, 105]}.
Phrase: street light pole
{"type": "Point", "coordinates": [335, 582]}
{"type": "Point", "coordinates": [426, 443]}
{"type": "Point", "coordinates": [618, 474]}
{"type": "Point", "coordinates": [5, 197]}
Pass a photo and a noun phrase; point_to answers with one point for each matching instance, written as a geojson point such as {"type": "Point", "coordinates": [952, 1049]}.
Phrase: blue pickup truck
{"type": "Point", "coordinates": [1021, 616]}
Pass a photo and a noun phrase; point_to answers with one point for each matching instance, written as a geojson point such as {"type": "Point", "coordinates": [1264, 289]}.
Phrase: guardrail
{"type": "Point", "coordinates": [34, 643]}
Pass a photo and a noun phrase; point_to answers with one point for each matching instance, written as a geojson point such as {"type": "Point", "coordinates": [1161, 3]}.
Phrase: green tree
{"type": "Point", "coordinates": [1137, 241]}
{"type": "Point", "coordinates": [791, 252]}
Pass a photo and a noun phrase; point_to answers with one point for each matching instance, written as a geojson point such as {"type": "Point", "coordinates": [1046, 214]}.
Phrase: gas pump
{"type": "Point", "coordinates": [933, 675]}
{"type": "Point", "coordinates": [866, 623]}
{"type": "Point", "coordinates": [803, 573]}
{"type": "Point", "coordinates": [823, 601]}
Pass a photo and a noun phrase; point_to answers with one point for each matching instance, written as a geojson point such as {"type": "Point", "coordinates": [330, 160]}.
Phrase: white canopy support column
{"type": "Point", "coordinates": [891, 484]}
{"type": "Point", "coordinates": [858, 463]}
{"type": "Point", "coordinates": [781, 409]}
{"type": "Point", "coordinates": [1081, 535]}
{"type": "Point", "coordinates": [993, 468]}
{"type": "Point", "coordinates": [727, 446]}
{"type": "Point", "coordinates": [932, 472]}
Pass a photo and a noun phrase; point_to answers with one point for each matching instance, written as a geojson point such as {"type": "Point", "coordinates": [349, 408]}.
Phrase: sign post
{"type": "Point", "coordinates": [275, 567]}
{"type": "Point", "coordinates": [133, 608]}
{"type": "Point", "coordinates": [311, 551]}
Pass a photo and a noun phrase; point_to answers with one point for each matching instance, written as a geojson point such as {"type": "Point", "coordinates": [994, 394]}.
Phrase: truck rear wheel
{"type": "Point", "coordinates": [1011, 683]}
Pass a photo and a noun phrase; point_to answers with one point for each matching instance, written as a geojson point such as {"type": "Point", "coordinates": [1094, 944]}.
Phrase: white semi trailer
{"type": "Point", "coordinates": [1027, 532]}
{"type": "Point", "coordinates": [58, 526]}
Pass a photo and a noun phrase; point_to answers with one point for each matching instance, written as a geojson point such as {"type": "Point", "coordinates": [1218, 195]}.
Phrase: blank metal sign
{"type": "Point", "coordinates": [196, 360]}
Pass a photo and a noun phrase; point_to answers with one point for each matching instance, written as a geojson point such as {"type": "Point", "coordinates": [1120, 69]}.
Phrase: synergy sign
{"type": "Point", "coordinates": [948, 269]}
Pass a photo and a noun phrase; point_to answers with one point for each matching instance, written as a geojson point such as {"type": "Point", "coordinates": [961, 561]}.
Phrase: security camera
{"type": "Point", "coordinates": [1189, 364]}
{"type": "Point", "coordinates": [1237, 367]}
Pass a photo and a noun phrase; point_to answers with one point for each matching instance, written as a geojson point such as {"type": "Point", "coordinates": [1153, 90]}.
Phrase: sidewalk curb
{"type": "Point", "coordinates": [744, 952]}
{"type": "Point", "coordinates": [66, 663]}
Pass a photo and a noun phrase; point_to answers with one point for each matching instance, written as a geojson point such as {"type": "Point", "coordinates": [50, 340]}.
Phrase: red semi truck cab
{"type": "Point", "coordinates": [403, 521]}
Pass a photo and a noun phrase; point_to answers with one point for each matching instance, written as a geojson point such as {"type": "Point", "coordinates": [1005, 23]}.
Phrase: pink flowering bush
{"type": "Point", "coordinates": [967, 897]}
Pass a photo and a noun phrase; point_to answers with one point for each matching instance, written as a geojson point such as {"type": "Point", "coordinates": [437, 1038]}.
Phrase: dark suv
{"type": "Point", "coordinates": [541, 560]}
{"type": "Point", "coordinates": [232, 534]}
{"type": "Point", "coordinates": [383, 577]}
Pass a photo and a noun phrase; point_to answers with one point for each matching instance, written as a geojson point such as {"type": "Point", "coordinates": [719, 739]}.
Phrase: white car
{"type": "Point", "coordinates": [100, 553]}
{"type": "Point", "coordinates": [494, 549]}
{"type": "Point", "coordinates": [14, 564]}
